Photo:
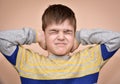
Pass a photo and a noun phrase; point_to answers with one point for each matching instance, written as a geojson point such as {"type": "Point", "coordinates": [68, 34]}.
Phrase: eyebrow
{"type": "Point", "coordinates": [68, 30]}
{"type": "Point", "coordinates": [53, 30]}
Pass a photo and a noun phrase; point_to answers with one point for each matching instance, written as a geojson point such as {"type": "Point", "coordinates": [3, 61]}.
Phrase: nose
{"type": "Point", "coordinates": [61, 36]}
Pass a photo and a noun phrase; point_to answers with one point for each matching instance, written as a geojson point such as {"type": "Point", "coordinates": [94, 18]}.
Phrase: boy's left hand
{"type": "Point", "coordinates": [75, 45]}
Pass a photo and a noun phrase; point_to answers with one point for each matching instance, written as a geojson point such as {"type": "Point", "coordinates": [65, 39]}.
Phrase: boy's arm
{"type": "Point", "coordinates": [110, 39]}
{"type": "Point", "coordinates": [6, 71]}
{"type": "Point", "coordinates": [9, 40]}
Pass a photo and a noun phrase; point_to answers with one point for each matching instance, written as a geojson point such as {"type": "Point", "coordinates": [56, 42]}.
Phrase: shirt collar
{"type": "Point", "coordinates": [66, 57]}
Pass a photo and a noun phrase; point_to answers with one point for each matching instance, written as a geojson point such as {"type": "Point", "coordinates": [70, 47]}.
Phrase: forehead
{"type": "Point", "coordinates": [63, 26]}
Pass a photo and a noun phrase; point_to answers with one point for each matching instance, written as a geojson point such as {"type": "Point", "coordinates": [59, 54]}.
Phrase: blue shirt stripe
{"type": "Point", "coordinates": [89, 79]}
{"type": "Point", "coordinates": [12, 58]}
{"type": "Point", "coordinates": [105, 53]}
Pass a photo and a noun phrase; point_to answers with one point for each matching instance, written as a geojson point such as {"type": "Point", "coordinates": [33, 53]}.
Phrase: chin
{"type": "Point", "coordinates": [59, 52]}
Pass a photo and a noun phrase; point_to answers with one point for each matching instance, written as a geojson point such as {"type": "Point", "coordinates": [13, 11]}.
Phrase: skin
{"type": "Point", "coordinates": [58, 39]}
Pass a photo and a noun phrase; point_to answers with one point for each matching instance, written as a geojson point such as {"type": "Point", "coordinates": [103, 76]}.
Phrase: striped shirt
{"type": "Point", "coordinates": [81, 68]}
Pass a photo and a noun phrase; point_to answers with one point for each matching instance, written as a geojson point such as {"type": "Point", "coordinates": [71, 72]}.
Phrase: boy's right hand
{"type": "Point", "coordinates": [41, 40]}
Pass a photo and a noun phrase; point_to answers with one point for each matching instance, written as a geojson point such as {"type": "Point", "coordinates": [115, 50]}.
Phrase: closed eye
{"type": "Point", "coordinates": [68, 31]}
{"type": "Point", "coordinates": [53, 31]}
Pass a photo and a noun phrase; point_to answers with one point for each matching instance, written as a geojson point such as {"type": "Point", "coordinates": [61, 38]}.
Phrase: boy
{"type": "Point", "coordinates": [59, 26]}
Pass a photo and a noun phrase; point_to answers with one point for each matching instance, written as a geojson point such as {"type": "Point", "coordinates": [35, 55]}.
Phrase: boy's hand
{"type": "Point", "coordinates": [41, 40]}
{"type": "Point", "coordinates": [75, 45]}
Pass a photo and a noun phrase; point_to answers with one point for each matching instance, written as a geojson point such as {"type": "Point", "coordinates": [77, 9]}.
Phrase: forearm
{"type": "Point", "coordinates": [99, 36]}
{"type": "Point", "coordinates": [10, 39]}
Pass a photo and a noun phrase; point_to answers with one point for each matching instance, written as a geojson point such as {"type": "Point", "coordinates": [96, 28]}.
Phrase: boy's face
{"type": "Point", "coordinates": [59, 38]}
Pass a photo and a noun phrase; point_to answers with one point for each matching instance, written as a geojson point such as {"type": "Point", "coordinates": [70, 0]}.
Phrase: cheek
{"type": "Point", "coordinates": [70, 39]}
{"type": "Point", "coordinates": [49, 40]}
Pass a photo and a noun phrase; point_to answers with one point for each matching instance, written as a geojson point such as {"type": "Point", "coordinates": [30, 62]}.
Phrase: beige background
{"type": "Point", "coordinates": [16, 14]}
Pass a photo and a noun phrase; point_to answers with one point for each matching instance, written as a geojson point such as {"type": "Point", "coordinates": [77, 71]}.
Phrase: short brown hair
{"type": "Point", "coordinates": [58, 13]}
